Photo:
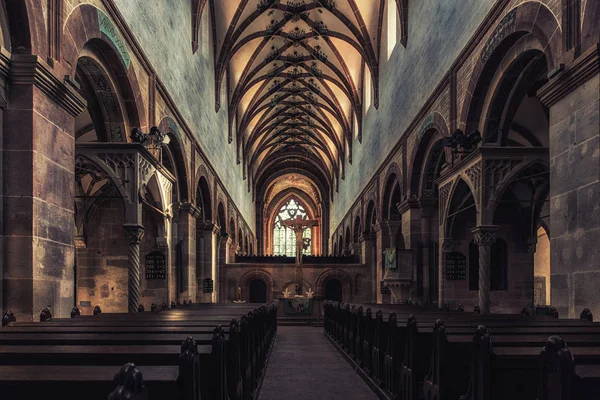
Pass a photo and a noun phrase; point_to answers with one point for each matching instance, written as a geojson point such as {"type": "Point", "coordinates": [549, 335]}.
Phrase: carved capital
{"type": "Point", "coordinates": [485, 235]}
{"type": "Point", "coordinates": [134, 233]}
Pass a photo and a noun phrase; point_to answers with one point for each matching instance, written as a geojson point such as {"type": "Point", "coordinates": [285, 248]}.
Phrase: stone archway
{"type": "Point", "coordinates": [257, 291]}
{"type": "Point", "coordinates": [333, 289]}
{"type": "Point", "coordinates": [339, 275]}
{"type": "Point", "coordinates": [245, 283]}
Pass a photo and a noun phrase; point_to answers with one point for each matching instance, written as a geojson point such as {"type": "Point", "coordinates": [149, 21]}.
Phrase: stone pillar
{"type": "Point", "coordinates": [186, 233]}
{"type": "Point", "coordinates": [572, 98]}
{"type": "Point", "coordinates": [485, 236]}
{"type": "Point", "coordinates": [367, 248]}
{"type": "Point", "coordinates": [355, 249]}
{"type": "Point", "coordinates": [382, 240]}
{"type": "Point", "coordinates": [4, 68]}
{"type": "Point", "coordinates": [204, 256]}
{"type": "Point", "coordinates": [446, 246]}
{"type": "Point", "coordinates": [426, 213]}
{"type": "Point", "coordinates": [162, 244]}
{"type": "Point", "coordinates": [215, 248]}
{"type": "Point", "coordinates": [38, 188]}
{"type": "Point", "coordinates": [134, 235]}
{"type": "Point", "coordinates": [411, 231]}
{"type": "Point", "coordinates": [221, 282]}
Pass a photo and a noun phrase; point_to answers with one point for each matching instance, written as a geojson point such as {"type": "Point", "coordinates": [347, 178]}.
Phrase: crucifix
{"type": "Point", "coordinates": [299, 225]}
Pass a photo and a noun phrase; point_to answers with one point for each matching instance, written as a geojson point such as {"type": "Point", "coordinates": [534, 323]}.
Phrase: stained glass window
{"type": "Point", "coordinates": [284, 239]}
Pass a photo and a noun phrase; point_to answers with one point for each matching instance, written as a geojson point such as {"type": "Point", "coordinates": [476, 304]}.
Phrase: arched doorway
{"type": "Point", "coordinates": [333, 290]}
{"type": "Point", "coordinates": [258, 291]}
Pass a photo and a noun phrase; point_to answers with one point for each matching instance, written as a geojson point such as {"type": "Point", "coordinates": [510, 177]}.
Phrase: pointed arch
{"type": "Point", "coordinates": [168, 126]}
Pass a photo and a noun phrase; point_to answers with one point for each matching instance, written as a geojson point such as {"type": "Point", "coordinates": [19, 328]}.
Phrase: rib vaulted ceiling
{"type": "Point", "coordinates": [293, 72]}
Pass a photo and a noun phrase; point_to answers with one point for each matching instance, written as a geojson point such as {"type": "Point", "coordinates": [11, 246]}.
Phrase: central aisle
{"type": "Point", "coordinates": [304, 365]}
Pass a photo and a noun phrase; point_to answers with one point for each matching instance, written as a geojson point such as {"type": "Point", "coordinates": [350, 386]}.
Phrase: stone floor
{"type": "Point", "coordinates": [304, 365]}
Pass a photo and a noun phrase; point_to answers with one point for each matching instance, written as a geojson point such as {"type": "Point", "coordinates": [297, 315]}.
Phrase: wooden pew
{"type": "Point", "coordinates": [82, 382]}
{"type": "Point", "coordinates": [408, 347]}
{"type": "Point", "coordinates": [250, 345]}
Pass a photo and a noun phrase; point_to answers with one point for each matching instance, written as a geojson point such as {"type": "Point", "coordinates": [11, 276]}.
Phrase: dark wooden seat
{"type": "Point", "coordinates": [81, 382]}
{"type": "Point", "coordinates": [417, 362]}
{"type": "Point", "coordinates": [221, 362]}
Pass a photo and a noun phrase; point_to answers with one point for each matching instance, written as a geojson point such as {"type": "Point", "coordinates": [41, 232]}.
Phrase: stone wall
{"type": "Point", "coordinates": [164, 30]}
{"type": "Point", "coordinates": [354, 279]}
{"type": "Point", "coordinates": [574, 202]}
{"type": "Point", "coordinates": [102, 266]}
{"type": "Point", "coordinates": [431, 101]}
{"type": "Point", "coordinates": [437, 32]}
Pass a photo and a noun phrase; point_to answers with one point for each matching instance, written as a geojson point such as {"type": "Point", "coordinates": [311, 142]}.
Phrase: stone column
{"type": "Point", "coordinates": [485, 236]}
{"type": "Point", "coordinates": [572, 98]}
{"type": "Point", "coordinates": [204, 256]}
{"type": "Point", "coordinates": [446, 246]}
{"type": "Point", "coordinates": [366, 243]}
{"type": "Point", "coordinates": [382, 241]}
{"type": "Point", "coordinates": [186, 233]}
{"type": "Point", "coordinates": [162, 244]}
{"type": "Point", "coordinates": [4, 68]}
{"type": "Point", "coordinates": [134, 234]}
{"type": "Point", "coordinates": [225, 244]}
{"type": "Point", "coordinates": [355, 249]}
{"type": "Point", "coordinates": [38, 188]}
{"type": "Point", "coordinates": [215, 248]}
{"type": "Point", "coordinates": [426, 213]}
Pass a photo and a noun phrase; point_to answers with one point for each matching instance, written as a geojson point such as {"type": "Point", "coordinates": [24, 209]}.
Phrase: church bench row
{"type": "Point", "coordinates": [200, 371]}
{"type": "Point", "coordinates": [143, 319]}
{"type": "Point", "coordinates": [85, 382]}
{"type": "Point", "coordinates": [236, 362]}
{"type": "Point", "coordinates": [397, 356]}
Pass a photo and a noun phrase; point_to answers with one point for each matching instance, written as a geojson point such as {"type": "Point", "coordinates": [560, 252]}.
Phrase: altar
{"type": "Point", "coordinates": [297, 306]}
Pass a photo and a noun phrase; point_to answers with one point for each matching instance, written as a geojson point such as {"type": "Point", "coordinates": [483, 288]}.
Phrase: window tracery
{"type": "Point", "coordinates": [284, 239]}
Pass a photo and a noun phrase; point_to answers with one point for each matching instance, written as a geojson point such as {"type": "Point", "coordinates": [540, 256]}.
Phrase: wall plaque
{"type": "Point", "coordinates": [207, 285]}
{"type": "Point", "coordinates": [156, 265]}
{"type": "Point", "coordinates": [456, 266]}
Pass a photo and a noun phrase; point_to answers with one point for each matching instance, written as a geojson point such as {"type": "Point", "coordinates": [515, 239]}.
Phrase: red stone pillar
{"type": "Point", "coordinates": [186, 233]}
{"type": "Point", "coordinates": [224, 249]}
{"type": "Point", "coordinates": [367, 258]}
{"type": "Point", "coordinates": [39, 185]}
{"type": "Point", "coordinates": [204, 256]}
{"type": "Point", "coordinates": [382, 242]}
{"type": "Point", "coordinates": [427, 263]}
